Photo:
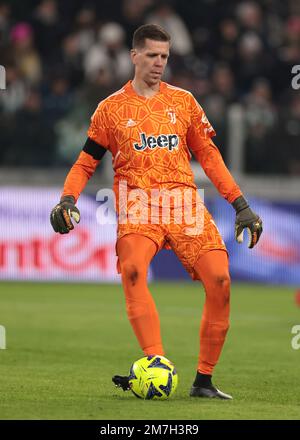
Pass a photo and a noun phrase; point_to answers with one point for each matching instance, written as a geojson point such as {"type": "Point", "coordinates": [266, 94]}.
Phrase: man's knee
{"type": "Point", "coordinates": [222, 279]}
{"type": "Point", "coordinates": [132, 272]}
{"type": "Point", "coordinates": [217, 286]}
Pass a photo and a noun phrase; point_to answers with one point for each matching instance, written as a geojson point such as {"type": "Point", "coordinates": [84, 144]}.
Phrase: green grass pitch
{"type": "Point", "coordinates": [66, 341]}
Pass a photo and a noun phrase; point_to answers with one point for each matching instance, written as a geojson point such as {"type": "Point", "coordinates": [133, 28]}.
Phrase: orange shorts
{"type": "Point", "coordinates": [187, 243]}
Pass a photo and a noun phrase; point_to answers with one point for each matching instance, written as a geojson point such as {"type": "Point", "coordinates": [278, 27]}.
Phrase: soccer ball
{"type": "Point", "coordinates": [153, 377]}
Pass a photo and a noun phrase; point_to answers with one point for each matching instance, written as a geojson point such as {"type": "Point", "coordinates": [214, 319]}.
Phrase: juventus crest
{"type": "Point", "coordinates": [172, 115]}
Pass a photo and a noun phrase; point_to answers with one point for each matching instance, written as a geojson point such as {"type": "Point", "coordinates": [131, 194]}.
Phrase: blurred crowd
{"type": "Point", "coordinates": [62, 58]}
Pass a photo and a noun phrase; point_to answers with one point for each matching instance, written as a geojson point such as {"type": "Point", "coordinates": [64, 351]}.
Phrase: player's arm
{"type": "Point", "coordinates": [209, 157]}
{"type": "Point", "coordinates": [62, 214]}
{"type": "Point", "coordinates": [94, 149]}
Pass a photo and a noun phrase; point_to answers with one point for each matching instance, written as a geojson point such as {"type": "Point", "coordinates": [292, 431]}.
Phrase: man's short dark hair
{"type": "Point", "coordinates": [150, 31]}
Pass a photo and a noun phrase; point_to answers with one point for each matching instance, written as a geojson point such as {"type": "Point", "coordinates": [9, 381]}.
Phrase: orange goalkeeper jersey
{"type": "Point", "coordinates": [151, 140]}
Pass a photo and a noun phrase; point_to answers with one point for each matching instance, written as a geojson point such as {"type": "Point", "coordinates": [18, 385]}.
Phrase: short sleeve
{"type": "Point", "coordinates": [200, 128]}
{"type": "Point", "coordinates": [98, 129]}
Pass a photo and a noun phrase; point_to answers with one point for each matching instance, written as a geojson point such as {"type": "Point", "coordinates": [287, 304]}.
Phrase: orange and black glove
{"type": "Point", "coordinates": [62, 214]}
{"type": "Point", "coordinates": [246, 219]}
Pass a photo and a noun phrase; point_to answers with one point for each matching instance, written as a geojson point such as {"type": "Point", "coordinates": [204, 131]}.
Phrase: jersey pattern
{"type": "Point", "coordinates": [148, 137]}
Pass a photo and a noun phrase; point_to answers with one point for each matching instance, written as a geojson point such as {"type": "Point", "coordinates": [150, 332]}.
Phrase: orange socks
{"type": "Point", "coordinates": [144, 319]}
{"type": "Point", "coordinates": [212, 268]}
{"type": "Point", "coordinates": [135, 253]}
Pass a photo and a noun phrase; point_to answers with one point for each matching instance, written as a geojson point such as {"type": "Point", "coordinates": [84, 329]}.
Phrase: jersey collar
{"type": "Point", "coordinates": [130, 90]}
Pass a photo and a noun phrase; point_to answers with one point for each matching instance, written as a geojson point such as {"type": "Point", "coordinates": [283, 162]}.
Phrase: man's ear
{"type": "Point", "coordinates": [133, 54]}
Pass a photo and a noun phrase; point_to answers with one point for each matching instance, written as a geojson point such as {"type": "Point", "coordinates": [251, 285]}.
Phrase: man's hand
{"type": "Point", "coordinates": [62, 214]}
{"type": "Point", "coordinates": [246, 218]}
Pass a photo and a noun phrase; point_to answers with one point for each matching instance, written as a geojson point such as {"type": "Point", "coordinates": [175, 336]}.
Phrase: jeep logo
{"type": "Point", "coordinates": [169, 141]}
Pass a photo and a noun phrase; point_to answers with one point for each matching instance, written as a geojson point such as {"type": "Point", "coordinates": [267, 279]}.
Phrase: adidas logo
{"type": "Point", "coordinates": [130, 123]}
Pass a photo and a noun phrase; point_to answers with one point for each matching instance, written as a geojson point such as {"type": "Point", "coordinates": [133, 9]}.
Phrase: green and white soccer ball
{"type": "Point", "coordinates": [153, 378]}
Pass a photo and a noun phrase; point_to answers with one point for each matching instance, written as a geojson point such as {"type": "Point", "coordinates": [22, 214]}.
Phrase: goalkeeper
{"type": "Point", "coordinates": [151, 128]}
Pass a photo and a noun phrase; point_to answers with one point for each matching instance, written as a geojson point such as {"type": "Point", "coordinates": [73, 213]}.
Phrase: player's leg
{"type": "Point", "coordinates": [205, 257]}
{"type": "Point", "coordinates": [212, 268]}
{"type": "Point", "coordinates": [135, 253]}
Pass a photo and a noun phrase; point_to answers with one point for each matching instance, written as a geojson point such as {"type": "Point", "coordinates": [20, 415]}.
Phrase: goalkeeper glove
{"type": "Point", "coordinates": [62, 214]}
{"type": "Point", "coordinates": [246, 218]}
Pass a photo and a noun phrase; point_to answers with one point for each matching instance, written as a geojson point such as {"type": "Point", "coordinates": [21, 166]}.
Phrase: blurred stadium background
{"type": "Point", "coordinates": [62, 58]}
